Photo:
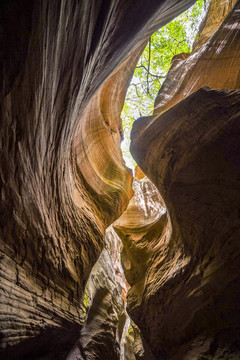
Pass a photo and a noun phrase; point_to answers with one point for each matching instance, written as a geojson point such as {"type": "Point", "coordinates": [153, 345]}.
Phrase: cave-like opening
{"type": "Point", "coordinates": [66, 69]}
{"type": "Point", "coordinates": [146, 212]}
{"type": "Point", "coordinates": [177, 37]}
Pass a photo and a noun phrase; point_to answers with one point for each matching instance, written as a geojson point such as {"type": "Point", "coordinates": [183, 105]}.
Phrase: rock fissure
{"type": "Point", "coordinates": [70, 206]}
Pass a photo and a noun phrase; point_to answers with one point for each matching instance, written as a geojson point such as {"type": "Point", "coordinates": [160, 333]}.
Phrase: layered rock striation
{"type": "Point", "coordinates": [104, 317]}
{"type": "Point", "coordinates": [216, 13]}
{"type": "Point", "coordinates": [189, 308]}
{"type": "Point", "coordinates": [65, 66]}
{"type": "Point", "coordinates": [139, 228]}
{"type": "Point", "coordinates": [214, 64]}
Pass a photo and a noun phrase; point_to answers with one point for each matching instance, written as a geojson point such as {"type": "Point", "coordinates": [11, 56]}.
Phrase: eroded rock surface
{"type": "Point", "coordinates": [215, 64]}
{"type": "Point", "coordinates": [62, 177]}
{"type": "Point", "coordinates": [65, 70]}
{"type": "Point", "coordinates": [139, 229]}
{"type": "Point", "coordinates": [216, 14]}
{"type": "Point", "coordinates": [104, 306]}
{"type": "Point", "coordinates": [189, 308]}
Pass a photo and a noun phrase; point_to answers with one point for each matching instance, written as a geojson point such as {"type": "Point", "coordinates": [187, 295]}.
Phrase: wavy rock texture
{"type": "Point", "coordinates": [215, 64]}
{"type": "Point", "coordinates": [189, 307]}
{"type": "Point", "coordinates": [139, 229]}
{"type": "Point", "coordinates": [104, 309]}
{"type": "Point", "coordinates": [216, 14]}
{"type": "Point", "coordinates": [62, 177]}
{"type": "Point", "coordinates": [132, 344]}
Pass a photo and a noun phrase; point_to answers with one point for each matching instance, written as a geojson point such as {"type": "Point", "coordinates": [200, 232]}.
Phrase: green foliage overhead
{"type": "Point", "coordinates": [174, 38]}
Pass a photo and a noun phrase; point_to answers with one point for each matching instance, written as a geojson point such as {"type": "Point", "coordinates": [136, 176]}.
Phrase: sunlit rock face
{"type": "Point", "coordinates": [62, 177]}
{"type": "Point", "coordinates": [217, 12]}
{"type": "Point", "coordinates": [215, 64]}
{"type": "Point", "coordinates": [143, 215]}
{"type": "Point", "coordinates": [141, 228]}
{"type": "Point", "coordinates": [190, 308]}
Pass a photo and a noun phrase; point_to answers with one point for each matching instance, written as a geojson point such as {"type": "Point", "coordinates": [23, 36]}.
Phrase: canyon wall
{"type": "Point", "coordinates": [105, 322]}
{"type": "Point", "coordinates": [187, 305]}
{"type": "Point", "coordinates": [65, 67]}
{"type": "Point", "coordinates": [214, 64]}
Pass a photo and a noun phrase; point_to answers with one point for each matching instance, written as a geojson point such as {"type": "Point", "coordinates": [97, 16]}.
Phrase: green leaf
{"type": "Point", "coordinates": [174, 38]}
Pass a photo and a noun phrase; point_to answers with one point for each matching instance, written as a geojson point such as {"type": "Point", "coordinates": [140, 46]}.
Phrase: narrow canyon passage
{"type": "Point", "coordinates": [95, 263]}
{"type": "Point", "coordinates": [107, 328]}
{"type": "Point", "coordinates": [149, 260]}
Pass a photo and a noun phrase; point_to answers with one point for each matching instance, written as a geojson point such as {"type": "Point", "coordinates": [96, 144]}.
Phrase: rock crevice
{"type": "Point", "coordinates": [65, 68]}
{"type": "Point", "coordinates": [188, 308]}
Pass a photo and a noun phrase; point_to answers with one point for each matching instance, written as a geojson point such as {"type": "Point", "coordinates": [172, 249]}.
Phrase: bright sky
{"type": "Point", "coordinates": [148, 103]}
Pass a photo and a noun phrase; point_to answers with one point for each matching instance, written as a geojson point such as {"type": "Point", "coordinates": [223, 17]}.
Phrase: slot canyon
{"type": "Point", "coordinates": [98, 262]}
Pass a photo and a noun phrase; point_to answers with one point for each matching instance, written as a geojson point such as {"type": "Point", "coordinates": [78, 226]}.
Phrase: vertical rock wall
{"type": "Point", "coordinates": [214, 64]}
{"type": "Point", "coordinates": [104, 306]}
{"type": "Point", "coordinates": [189, 308]}
{"type": "Point", "coordinates": [62, 178]}
{"type": "Point", "coordinates": [139, 228]}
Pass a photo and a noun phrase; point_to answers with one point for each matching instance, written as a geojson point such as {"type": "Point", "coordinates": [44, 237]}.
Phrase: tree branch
{"type": "Point", "coordinates": [156, 76]}
{"type": "Point", "coordinates": [149, 63]}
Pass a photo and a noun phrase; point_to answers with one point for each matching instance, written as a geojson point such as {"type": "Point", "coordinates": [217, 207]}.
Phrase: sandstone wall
{"type": "Point", "coordinates": [62, 177]}
{"type": "Point", "coordinates": [188, 308]}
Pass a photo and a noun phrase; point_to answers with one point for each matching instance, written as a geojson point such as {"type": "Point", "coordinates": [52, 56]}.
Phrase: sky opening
{"type": "Point", "coordinates": [176, 37]}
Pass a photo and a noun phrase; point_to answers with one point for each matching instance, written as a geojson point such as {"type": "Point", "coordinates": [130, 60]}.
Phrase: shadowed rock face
{"type": "Point", "coordinates": [189, 307]}
{"type": "Point", "coordinates": [103, 308]}
{"type": "Point", "coordinates": [62, 177]}
{"type": "Point", "coordinates": [65, 67]}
